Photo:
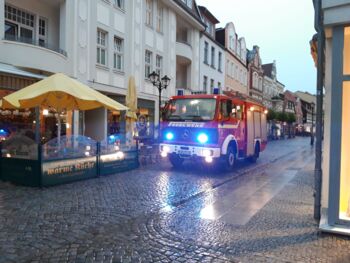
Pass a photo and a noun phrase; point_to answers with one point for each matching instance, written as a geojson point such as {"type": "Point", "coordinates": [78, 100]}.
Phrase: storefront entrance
{"type": "Point", "coordinates": [339, 181]}
{"type": "Point", "coordinates": [344, 203]}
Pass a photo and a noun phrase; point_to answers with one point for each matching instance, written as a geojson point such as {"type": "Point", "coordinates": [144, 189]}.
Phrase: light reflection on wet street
{"type": "Point", "coordinates": [256, 213]}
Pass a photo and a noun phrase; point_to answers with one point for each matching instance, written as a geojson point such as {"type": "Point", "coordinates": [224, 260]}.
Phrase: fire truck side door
{"type": "Point", "coordinates": [250, 133]}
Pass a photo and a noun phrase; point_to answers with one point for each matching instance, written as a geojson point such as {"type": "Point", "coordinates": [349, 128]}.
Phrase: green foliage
{"type": "Point", "coordinates": [291, 118]}
{"type": "Point", "coordinates": [271, 115]}
{"type": "Point", "coordinates": [282, 116]}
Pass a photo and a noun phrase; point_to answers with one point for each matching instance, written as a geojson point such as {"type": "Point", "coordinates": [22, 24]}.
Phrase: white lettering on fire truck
{"type": "Point", "coordinates": [229, 126]}
{"type": "Point", "coordinates": [187, 124]}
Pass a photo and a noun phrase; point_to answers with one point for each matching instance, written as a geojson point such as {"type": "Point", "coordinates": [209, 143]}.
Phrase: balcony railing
{"type": "Point", "coordinates": [34, 42]}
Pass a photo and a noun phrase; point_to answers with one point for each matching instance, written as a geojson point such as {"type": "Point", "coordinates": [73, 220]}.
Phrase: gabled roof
{"type": "Point", "coordinates": [194, 11]}
{"type": "Point", "coordinates": [306, 96]}
{"type": "Point", "coordinates": [205, 12]}
{"type": "Point", "coordinates": [268, 69]}
{"type": "Point", "coordinates": [220, 36]}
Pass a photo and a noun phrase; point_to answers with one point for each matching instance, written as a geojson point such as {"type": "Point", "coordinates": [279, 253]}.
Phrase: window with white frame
{"type": "Point", "coordinates": [211, 86]}
{"type": "Point", "coordinates": [101, 47]}
{"type": "Point", "coordinates": [148, 63]}
{"type": "Point", "coordinates": [213, 57]}
{"type": "Point", "coordinates": [149, 12]}
{"type": "Point", "coordinates": [205, 84]}
{"type": "Point", "coordinates": [220, 62]}
{"type": "Point", "coordinates": [232, 73]}
{"type": "Point", "coordinates": [118, 60]}
{"type": "Point", "coordinates": [206, 52]}
{"type": "Point", "coordinates": [19, 24]}
{"type": "Point", "coordinates": [159, 65]}
{"type": "Point", "coordinates": [228, 70]}
{"type": "Point", "coordinates": [42, 32]}
{"type": "Point", "coordinates": [159, 18]}
{"type": "Point", "coordinates": [119, 4]}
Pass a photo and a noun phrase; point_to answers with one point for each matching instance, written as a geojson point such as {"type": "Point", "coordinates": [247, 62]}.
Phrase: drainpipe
{"type": "Point", "coordinates": [319, 112]}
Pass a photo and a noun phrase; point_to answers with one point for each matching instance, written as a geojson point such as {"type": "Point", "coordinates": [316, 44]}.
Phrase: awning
{"type": "Point", "coordinates": [12, 70]}
{"type": "Point", "coordinates": [60, 92]}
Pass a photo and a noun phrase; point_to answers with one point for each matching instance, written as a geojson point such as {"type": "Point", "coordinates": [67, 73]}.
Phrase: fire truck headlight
{"type": "Point", "coordinates": [163, 154]}
{"type": "Point", "coordinates": [169, 136]}
{"type": "Point", "coordinates": [202, 138]}
{"type": "Point", "coordinates": [207, 153]}
{"type": "Point", "coordinates": [166, 149]}
{"type": "Point", "coordinates": [209, 159]}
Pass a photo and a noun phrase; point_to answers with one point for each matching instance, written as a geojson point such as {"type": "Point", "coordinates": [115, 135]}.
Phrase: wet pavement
{"type": "Point", "coordinates": [258, 213]}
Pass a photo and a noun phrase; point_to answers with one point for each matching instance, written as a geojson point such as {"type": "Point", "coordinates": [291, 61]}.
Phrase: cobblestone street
{"type": "Point", "coordinates": [261, 212]}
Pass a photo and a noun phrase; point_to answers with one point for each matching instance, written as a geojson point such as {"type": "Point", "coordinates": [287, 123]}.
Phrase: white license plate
{"type": "Point", "coordinates": [183, 152]}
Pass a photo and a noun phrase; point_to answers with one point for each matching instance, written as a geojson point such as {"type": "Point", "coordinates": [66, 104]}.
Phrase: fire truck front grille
{"type": "Point", "coordinates": [190, 135]}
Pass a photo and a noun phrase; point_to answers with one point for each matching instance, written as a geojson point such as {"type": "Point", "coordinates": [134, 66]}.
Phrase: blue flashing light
{"type": "Point", "coordinates": [112, 137]}
{"type": "Point", "coordinates": [202, 138]}
{"type": "Point", "coordinates": [169, 136]}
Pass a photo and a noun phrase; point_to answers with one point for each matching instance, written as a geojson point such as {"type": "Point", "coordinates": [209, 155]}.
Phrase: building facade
{"type": "Point", "coordinates": [308, 107]}
{"type": "Point", "coordinates": [335, 196]}
{"type": "Point", "coordinates": [102, 44]}
{"type": "Point", "coordinates": [236, 73]}
{"type": "Point", "coordinates": [212, 56]}
{"type": "Point", "coordinates": [255, 74]}
{"type": "Point", "coordinates": [272, 88]}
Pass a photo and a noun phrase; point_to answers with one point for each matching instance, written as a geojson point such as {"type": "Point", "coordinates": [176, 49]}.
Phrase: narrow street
{"type": "Point", "coordinates": [260, 212]}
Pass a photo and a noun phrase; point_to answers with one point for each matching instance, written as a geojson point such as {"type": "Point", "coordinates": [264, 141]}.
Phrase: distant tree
{"type": "Point", "coordinates": [271, 115]}
{"type": "Point", "coordinates": [282, 116]}
{"type": "Point", "coordinates": [291, 118]}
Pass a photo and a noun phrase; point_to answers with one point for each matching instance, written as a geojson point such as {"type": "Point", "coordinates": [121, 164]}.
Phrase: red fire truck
{"type": "Point", "coordinates": [213, 128]}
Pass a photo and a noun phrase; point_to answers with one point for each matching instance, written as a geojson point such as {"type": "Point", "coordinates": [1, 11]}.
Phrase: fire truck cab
{"type": "Point", "coordinates": [213, 128]}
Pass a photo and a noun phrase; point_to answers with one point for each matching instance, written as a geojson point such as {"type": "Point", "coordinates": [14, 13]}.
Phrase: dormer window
{"type": "Point", "coordinates": [188, 3]}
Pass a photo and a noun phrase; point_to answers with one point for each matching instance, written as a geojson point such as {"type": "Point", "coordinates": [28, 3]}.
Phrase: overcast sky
{"type": "Point", "coordinates": [281, 28]}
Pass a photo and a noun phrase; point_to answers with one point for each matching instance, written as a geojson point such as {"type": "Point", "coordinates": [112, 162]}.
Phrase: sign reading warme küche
{"type": "Point", "coordinates": [69, 168]}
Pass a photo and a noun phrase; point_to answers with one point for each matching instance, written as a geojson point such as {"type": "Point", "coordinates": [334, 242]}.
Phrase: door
{"type": "Point", "coordinates": [250, 133]}
{"type": "Point", "coordinates": [257, 125]}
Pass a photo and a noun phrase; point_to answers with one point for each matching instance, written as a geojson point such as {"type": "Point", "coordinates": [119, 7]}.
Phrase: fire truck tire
{"type": "Point", "coordinates": [230, 158]}
{"type": "Point", "coordinates": [176, 161]}
{"type": "Point", "coordinates": [255, 157]}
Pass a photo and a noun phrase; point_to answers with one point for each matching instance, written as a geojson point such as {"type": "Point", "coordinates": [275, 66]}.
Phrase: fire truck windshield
{"type": "Point", "coordinates": [190, 109]}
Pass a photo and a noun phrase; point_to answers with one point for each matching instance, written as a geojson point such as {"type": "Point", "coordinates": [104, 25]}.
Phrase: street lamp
{"type": "Point", "coordinates": [160, 84]}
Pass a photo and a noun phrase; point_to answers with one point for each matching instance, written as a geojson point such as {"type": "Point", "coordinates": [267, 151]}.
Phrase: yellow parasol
{"type": "Point", "coordinates": [131, 103]}
{"type": "Point", "coordinates": [60, 92]}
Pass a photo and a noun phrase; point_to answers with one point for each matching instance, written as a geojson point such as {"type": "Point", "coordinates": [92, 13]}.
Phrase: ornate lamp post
{"type": "Point", "coordinates": [160, 84]}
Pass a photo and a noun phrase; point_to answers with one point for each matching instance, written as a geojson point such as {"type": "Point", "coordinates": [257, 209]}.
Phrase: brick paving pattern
{"type": "Point", "coordinates": [151, 215]}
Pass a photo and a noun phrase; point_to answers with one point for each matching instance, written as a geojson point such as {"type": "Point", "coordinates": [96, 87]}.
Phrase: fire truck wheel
{"type": "Point", "coordinates": [255, 157]}
{"type": "Point", "coordinates": [176, 161]}
{"type": "Point", "coordinates": [230, 158]}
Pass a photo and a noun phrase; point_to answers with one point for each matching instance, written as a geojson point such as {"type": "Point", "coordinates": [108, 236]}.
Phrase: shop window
{"type": "Point", "coordinates": [54, 123]}
{"type": "Point", "coordinates": [344, 204]}
{"type": "Point", "coordinates": [145, 122]}
{"type": "Point", "coordinates": [114, 121]}
{"type": "Point", "coordinates": [17, 133]}
{"type": "Point", "coordinates": [347, 51]}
